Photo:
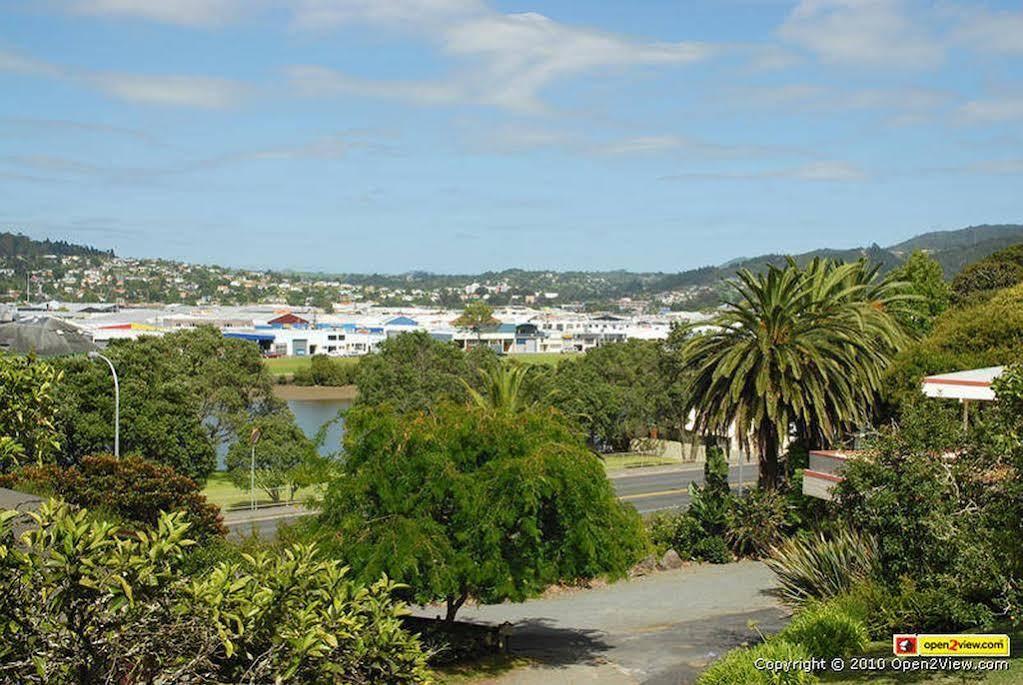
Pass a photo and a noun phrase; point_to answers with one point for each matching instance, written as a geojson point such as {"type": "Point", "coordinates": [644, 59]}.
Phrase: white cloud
{"type": "Point", "coordinates": [182, 12]}
{"type": "Point", "coordinates": [987, 31]}
{"type": "Point", "coordinates": [176, 91]}
{"type": "Point", "coordinates": [808, 97]}
{"type": "Point", "coordinates": [826, 171]}
{"type": "Point", "coordinates": [994, 109]}
{"type": "Point", "coordinates": [506, 60]}
{"type": "Point", "coordinates": [318, 14]}
{"type": "Point", "coordinates": [151, 89]}
{"type": "Point", "coordinates": [26, 66]}
{"type": "Point", "coordinates": [823, 171]}
{"type": "Point", "coordinates": [875, 33]}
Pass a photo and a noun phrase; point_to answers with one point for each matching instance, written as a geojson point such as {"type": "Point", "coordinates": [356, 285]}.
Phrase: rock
{"type": "Point", "coordinates": [644, 567]}
{"type": "Point", "coordinates": [670, 560]}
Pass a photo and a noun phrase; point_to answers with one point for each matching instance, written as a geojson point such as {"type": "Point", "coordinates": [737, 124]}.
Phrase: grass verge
{"type": "Point", "coordinates": [221, 491]}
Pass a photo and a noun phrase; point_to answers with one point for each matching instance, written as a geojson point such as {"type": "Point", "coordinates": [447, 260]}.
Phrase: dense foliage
{"type": "Point", "coordinates": [323, 370]}
{"type": "Point", "coordinates": [987, 333]}
{"type": "Point", "coordinates": [130, 489]}
{"type": "Point", "coordinates": [84, 603]}
{"type": "Point", "coordinates": [925, 280]}
{"type": "Point", "coordinates": [799, 349]}
{"type": "Point", "coordinates": [27, 430]}
{"type": "Point", "coordinates": [466, 501]}
{"type": "Point", "coordinates": [182, 395]}
{"type": "Point", "coordinates": [413, 371]}
{"type": "Point", "coordinates": [981, 279]}
{"type": "Point", "coordinates": [280, 450]}
{"type": "Point", "coordinates": [621, 391]}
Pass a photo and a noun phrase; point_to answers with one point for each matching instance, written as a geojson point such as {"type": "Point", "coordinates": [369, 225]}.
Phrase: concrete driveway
{"type": "Point", "coordinates": [658, 629]}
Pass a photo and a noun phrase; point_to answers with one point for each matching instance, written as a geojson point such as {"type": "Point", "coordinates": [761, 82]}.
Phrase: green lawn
{"type": "Point", "coordinates": [282, 365]}
{"type": "Point", "coordinates": [884, 650]}
{"type": "Point", "coordinates": [221, 491]}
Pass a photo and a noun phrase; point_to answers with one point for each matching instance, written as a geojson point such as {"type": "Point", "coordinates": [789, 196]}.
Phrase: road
{"type": "Point", "coordinates": [660, 629]}
{"type": "Point", "coordinates": [652, 490]}
{"type": "Point", "coordinates": [648, 489]}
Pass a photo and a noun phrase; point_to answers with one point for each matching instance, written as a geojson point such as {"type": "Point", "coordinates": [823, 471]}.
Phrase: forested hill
{"type": "Point", "coordinates": [17, 245]}
{"type": "Point", "coordinates": [952, 249]}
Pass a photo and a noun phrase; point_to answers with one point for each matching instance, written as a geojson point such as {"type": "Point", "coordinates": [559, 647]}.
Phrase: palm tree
{"type": "Point", "coordinates": [794, 348]}
{"type": "Point", "coordinates": [502, 390]}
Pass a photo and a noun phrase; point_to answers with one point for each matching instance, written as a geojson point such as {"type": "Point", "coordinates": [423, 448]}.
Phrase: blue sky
{"type": "Point", "coordinates": [464, 135]}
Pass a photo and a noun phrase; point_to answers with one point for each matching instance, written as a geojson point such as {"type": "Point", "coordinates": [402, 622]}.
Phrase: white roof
{"type": "Point", "coordinates": [974, 384]}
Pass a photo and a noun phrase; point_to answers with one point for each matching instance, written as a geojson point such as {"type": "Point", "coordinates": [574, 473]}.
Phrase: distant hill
{"type": "Point", "coordinates": [962, 239]}
{"type": "Point", "coordinates": [18, 245]}
{"type": "Point", "coordinates": [952, 249]}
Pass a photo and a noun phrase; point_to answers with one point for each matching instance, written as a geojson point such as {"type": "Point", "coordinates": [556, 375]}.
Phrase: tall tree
{"type": "Point", "coordinates": [182, 396]}
{"type": "Point", "coordinates": [925, 279]}
{"type": "Point", "coordinates": [413, 372]}
{"type": "Point", "coordinates": [503, 388]}
{"type": "Point", "coordinates": [468, 502]}
{"type": "Point", "coordinates": [476, 316]}
{"type": "Point", "coordinates": [794, 349]}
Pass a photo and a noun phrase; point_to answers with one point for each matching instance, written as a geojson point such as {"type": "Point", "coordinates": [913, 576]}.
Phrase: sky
{"type": "Point", "coordinates": [469, 135]}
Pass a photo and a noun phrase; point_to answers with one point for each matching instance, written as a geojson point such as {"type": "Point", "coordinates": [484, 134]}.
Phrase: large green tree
{"type": "Point", "coordinates": [27, 431]}
{"type": "Point", "coordinates": [182, 396]}
{"type": "Point", "coordinates": [988, 332]}
{"type": "Point", "coordinates": [925, 279]}
{"type": "Point", "coordinates": [794, 349]}
{"type": "Point", "coordinates": [621, 391]}
{"type": "Point", "coordinates": [466, 501]}
{"type": "Point", "coordinates": [281, 449]}
{"type": "Point", "coordinates": [413, 371]}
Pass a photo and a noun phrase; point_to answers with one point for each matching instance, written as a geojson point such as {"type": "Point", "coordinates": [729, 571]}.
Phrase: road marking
{"type": "Point", "coordinates": [660, 493]}
{"type": "Point", "coordinates": [241, 522]}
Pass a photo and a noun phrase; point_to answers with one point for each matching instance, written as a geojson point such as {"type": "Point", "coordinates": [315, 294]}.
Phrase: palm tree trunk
{"type": "Point", "coordinates": [768, 444]}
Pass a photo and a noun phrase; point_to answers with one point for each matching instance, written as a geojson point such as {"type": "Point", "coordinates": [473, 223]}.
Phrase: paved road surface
{"type": "Point", "coordinates": [659, 629]}
{"type": "Point", "coordinates": [648, 490]}
{"type": "Point", "coordinates": [656, 489]}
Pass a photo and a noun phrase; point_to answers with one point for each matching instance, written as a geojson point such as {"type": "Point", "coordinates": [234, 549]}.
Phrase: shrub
{"type": "Point", "coordinates": [738, 666]}
{"type": "Point", "coordinates": [713, 549]}
{"type": "Point", "coordinates": [679, 531]}
{"type": "Point", "coordinates": [323, 370]}
{"type": "Point", "coordinates": [914, 609]}
{"type": "Point", "coordinates": [821, 567]}
{"type": "Point", "coordinates": [826, 630]}
{"type": "Point", "coordinates": [85, 602]}
{"type": "Point", "coordinates": [661, 528]}
{"type": "Point", "coordinates": [756, 522]}
{"type": "Point", "coordinates": [130, 488]}
{"type": "Point", "coordinates": [710, 502]}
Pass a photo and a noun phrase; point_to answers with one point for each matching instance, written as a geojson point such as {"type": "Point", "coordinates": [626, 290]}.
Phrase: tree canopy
{"type": "Point", "coordinates": [465, 501]}
{"type": "Point", "coordinates": [281, 449]}
{"type": "Point", "coordinates": [476, 315]}
{"type": "Point", "coordinates": [799, 349]}
{"type": "Point", "coordinates": [182, 395]}
{"type": "Point", "coordinates": [925, 279]}
{"type": "Point", "coordinates": [620, 391]}
{"type": "Point", "coordinates": [413, 371]}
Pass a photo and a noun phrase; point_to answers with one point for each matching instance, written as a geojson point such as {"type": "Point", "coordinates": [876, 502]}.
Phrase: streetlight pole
{"type": "Point", "coordinates": [253, 439]}
{"type": "Point", "coordinates": [117, 402]}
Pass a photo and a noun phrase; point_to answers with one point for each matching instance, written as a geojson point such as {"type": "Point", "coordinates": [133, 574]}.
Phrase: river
{"type": "Point", "coordinates": [311, 414]}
